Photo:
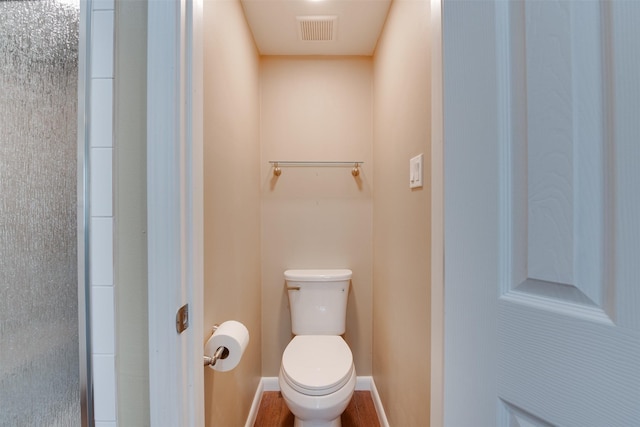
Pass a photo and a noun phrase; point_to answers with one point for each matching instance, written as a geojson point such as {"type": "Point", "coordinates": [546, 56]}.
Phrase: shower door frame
{"type": "Point", "coordinates": [83, 212]}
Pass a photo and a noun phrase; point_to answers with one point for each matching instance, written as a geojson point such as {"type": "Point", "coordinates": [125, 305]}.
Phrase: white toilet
{"type": "Point", "coordinates": [317, 377]}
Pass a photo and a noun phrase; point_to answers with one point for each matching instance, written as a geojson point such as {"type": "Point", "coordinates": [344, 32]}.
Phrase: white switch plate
{"type": "Point", "coordinates": [415, 171]}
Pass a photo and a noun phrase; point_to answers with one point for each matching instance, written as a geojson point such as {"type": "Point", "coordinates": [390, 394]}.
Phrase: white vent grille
{"type": "Point", "coordinates": [317, 28]}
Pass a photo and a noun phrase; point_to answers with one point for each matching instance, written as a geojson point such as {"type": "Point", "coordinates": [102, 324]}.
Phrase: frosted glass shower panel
{"type": "Point", "coordinates": [39, 366]}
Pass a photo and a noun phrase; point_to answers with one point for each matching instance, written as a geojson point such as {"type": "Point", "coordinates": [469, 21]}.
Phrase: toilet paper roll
{"type": "Point", "coordinates": [235, 337]}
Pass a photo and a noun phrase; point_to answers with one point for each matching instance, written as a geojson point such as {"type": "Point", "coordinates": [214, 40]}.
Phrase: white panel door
{"type": "Point", "coordinates": [542, 213]}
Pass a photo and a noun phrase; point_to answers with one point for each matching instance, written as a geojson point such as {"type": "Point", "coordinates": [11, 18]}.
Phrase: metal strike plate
{"type": "Point", "coordinates": [182, 318]}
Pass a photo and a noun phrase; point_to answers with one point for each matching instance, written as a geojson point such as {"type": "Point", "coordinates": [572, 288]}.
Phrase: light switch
{"type": "Point", "coordinates": [415, 171]}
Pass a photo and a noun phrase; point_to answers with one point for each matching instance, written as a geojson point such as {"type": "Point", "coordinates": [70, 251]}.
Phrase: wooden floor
{"type": "Point", "coordinates": [273, 411]}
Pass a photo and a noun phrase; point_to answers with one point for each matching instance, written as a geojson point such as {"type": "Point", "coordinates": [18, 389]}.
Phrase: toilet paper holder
{"type": "Point", "coordinates": [220, 353]}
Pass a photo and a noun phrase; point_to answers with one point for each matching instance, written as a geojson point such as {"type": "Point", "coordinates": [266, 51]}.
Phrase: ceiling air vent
{"type": "Point", "coordinates": [317, 28]}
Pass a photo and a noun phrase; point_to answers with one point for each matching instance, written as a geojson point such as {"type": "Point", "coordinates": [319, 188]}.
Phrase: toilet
{"type": "Point", "coordinates": [317, 376]}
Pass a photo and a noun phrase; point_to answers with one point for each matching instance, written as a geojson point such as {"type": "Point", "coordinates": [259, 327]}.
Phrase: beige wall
{"type": "Point", "coordinates": [257, 225]}
{"type": "Point", "coordinates": [130, 201]}
{"type": "Point", "coordinates": [401, 244]}
{"type": "Point", "coordinates": [313, 217]}
{"type": "Point", "coordinates": [231, 203]}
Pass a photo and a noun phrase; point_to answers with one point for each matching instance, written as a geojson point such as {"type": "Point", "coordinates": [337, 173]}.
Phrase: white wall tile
{"type": "Point", "coordinates": [102, 44]}
{"type": "Point", "coordinates": [102, 4]}
{"type": "Point", "coordinates": [101, 258]}
{"type": "Point", "coordinates": [101, 120]}
{"type": "Point", "coordinates": [104, 387]}
{"type": "Point", "coordinates": [101, 251]}
{"type": "Point", "coordinates": [101, 182]}
{"type": "Point", "coordinates": [102, 320]}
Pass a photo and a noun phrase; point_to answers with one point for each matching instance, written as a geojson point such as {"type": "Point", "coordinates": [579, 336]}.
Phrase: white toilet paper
{"type": "Point", "coordinates": [235, 337]}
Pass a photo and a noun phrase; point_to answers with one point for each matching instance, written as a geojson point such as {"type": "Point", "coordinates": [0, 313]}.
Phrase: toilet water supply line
{"type": "Point", "coordinates": [221, 352]}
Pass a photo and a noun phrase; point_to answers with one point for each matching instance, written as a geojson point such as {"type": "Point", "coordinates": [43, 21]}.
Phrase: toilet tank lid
{"type": "Point", "coordinates": [317, 275]}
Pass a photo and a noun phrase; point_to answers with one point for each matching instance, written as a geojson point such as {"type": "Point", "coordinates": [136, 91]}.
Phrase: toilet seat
{"type": "Point", "coordinates": [317, 365]}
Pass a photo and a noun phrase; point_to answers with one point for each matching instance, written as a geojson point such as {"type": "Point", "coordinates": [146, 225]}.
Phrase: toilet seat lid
{"type": "Point", "coordinates": [317, 364]}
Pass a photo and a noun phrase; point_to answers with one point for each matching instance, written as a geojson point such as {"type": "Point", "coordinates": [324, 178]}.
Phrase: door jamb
{"type": "Point", "coordinates": [174, 210]}
{"type": "Point", "coordinates": [436, 412]}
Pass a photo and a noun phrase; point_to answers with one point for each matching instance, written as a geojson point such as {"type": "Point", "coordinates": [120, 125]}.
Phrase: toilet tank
{"type": "Point", "coordinates": [318, 300]}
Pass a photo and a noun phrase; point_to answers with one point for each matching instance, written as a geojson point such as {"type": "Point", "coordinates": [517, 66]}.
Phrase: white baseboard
{"type": "Point", "coordinates": [363, 383]}
{"type": "Point", "coordinates": [382, 416]}
{"type": "Point", "coordinates": [271, 384]}
{"type": "Point", "coordinates": [255, 405]}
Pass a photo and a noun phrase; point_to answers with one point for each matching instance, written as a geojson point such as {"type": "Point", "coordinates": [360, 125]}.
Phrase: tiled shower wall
{"type": "Point", "coordinates": [101, 73]}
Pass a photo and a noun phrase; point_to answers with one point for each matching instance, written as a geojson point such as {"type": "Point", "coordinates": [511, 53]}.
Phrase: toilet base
{"type": "Point", "coordinates": [334, 423]}
{"type": "Point", "coordinates": [317, 411]}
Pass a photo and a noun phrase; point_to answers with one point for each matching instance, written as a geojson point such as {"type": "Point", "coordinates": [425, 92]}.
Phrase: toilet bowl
{"type": "Point", "coordinates": [317, 379]}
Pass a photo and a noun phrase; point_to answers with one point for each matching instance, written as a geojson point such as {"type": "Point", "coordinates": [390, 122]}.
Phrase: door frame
{"type": "Point", "coordinates": [436, 412]}
{"type": "Point", "coordinates": [175, 178]}
{"type": "Point", "coordinates": [175, 210]}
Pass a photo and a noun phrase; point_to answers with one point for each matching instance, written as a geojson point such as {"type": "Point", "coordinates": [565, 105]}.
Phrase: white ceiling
{"type": "Point", "coordinates": [275, 28]}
